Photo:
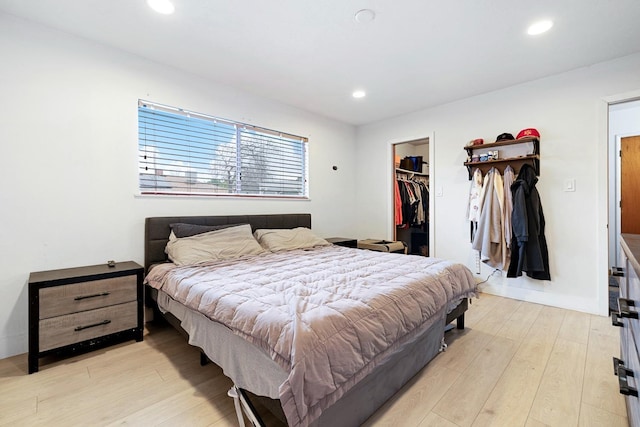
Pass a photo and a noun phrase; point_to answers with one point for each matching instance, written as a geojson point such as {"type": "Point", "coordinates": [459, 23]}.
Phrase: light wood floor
{"type": "Point", "coordinates": [515, 364]}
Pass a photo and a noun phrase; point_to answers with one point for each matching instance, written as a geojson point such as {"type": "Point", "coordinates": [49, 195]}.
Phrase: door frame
{"type": "Point", "coordinates": [604, 197]}
{"type": "Point", "coordinates": [391, 191]}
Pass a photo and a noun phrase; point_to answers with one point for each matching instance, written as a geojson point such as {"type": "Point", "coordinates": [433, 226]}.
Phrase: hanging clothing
{"type": "Point", "coordinates": [414, 201]}
{"type": "Point", "coordinates": [473, 204]}
{"type": "Point", "coordinates": [407, 202]}
{"type": "Point", "coordinates": [424, 187]}
{"type": "Point", "coordinates": [419, 219]}
{"type": "Point", "coordinates": [508, 178]}
{"type": "Point", "coordinates": [529, 252]}
{"type": "Point", "coordinates": [473, 207]}
{"type": "Point", "coordinates": [489, 238]}
{"type": "Point", "coordinates": [397, 204]}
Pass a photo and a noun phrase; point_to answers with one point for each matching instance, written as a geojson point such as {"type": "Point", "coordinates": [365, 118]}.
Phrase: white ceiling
{"type": "Point", "coordinates": [313, 54]}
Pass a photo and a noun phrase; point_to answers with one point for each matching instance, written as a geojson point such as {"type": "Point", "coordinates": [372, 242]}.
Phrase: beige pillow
{"type": "Point", "coordinates": [276, 240]}
{"type": "Point", "coordinates": [232, 242]}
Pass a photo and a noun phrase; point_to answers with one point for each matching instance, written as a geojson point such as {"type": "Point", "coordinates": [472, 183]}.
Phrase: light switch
{"type": "Point", "coordinates": [569, 184]}
{"type": "Point", "coordinates": [439, 191]}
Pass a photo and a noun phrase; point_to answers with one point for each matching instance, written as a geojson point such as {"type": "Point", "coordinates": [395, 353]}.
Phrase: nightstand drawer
{"type": "Point", "coordinates": [76, 297]}
{"type": "Point", "coordinates": [73, 328]}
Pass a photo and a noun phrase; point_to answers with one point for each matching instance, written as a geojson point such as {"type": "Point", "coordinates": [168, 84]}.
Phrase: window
{"type": "Point", "coordinates": [187, 153]}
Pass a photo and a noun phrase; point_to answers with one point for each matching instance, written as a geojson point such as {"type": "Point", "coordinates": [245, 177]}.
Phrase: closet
{"type": "Point", "coordinates": [411, 195]}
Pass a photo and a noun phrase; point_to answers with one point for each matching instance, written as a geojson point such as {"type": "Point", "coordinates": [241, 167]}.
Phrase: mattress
{"type": "Point", "coordinates": [322, 319]}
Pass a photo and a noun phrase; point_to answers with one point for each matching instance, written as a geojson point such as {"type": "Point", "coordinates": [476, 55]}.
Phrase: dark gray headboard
{"type": "Point", "coordinates": [156, 229]}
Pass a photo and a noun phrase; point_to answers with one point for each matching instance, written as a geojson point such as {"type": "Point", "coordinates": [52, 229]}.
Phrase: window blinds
{"type": "Point", "coordinates": [187, 153]}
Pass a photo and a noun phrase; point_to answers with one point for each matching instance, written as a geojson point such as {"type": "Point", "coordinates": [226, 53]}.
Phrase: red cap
{"type": "Point", "coordinates": [528, 132]}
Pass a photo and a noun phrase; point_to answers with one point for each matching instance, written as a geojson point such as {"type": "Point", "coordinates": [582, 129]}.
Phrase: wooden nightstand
{"type": "Point", "coordinates": [343, 241]}
{"type": "Point", "coordinates": [84, 308]}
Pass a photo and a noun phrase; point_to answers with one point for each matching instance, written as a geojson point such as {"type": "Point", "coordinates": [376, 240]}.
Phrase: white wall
{"type": "Point", "coordinates": [69, 158]}
{"type": "Point", "coordinates": [566, 110]}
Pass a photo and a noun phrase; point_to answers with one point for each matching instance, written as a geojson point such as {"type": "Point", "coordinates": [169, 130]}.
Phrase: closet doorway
{"type": "Point", "coordinates": [412, 203]}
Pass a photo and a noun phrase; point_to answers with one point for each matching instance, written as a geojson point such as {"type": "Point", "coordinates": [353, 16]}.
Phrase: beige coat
{"type": "Point", "coordinates": [489, 239]}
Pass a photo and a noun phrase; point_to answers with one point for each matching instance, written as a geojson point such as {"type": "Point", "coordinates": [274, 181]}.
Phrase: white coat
{"type": "Point", "coordinates": [473, 206]}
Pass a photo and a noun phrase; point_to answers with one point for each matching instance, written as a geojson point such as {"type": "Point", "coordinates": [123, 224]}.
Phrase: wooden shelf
{"type": "Point", "coordinates": [471, 148]}
{"type": "Point", "coordinates": [515, 162]}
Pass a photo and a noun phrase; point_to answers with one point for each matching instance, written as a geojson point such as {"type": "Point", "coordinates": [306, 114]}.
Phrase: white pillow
{"type": "Point", "coordinates": [276, 240]}
{"type": "Point", "coordinates": [232, 242]}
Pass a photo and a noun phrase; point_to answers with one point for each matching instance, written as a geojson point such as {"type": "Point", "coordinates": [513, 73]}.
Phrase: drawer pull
{"type": "Point", "coordinates": [80, 328]}
{"type": "Point", "coordinates": [625, 311]}
{"type": "Point", "coordinates": [101, 294]}
{"type": "Point", "coordinates": [615, 319]}
{"type": "Point", "coordinates": [623, 373]}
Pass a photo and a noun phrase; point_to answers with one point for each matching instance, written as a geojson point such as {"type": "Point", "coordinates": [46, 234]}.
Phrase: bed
{"type": "Point", "coordinates": [325, 341]}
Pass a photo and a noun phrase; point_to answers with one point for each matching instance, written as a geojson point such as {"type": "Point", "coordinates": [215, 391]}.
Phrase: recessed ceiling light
{"type": "Point", "coordinates": [359, 94]}
{"type": "Point", "coordinates": [164, 7]}
{"type": "Point", "coordinates": [364, 16]}
{"type": "Point", "coordinates": [539, 27]}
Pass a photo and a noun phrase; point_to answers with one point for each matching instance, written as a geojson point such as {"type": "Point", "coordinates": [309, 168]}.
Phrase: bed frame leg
{"type": "Point", "coordinates": [460, 321]}
{"type": "Point", "coordinates": [203, 359]}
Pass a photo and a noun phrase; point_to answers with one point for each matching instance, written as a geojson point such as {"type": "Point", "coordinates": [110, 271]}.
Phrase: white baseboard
{"type": "Point", "coordinates": [569, 302]}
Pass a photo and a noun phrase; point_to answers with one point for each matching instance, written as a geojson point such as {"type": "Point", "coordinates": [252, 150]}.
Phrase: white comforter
{"type": "Point", "coordinates": [327, 315]}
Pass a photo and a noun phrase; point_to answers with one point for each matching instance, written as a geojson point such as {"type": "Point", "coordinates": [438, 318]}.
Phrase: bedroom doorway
{"type": "Point", "coordinates": [412, 216]}
{"type": "Point", "coordinates": [623, 181]}
{"type": "Point", "coordinates": [624, 173]}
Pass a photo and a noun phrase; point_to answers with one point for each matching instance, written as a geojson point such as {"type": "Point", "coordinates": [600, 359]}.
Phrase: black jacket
{"type": "Point", "coordinates": [529, 251]}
